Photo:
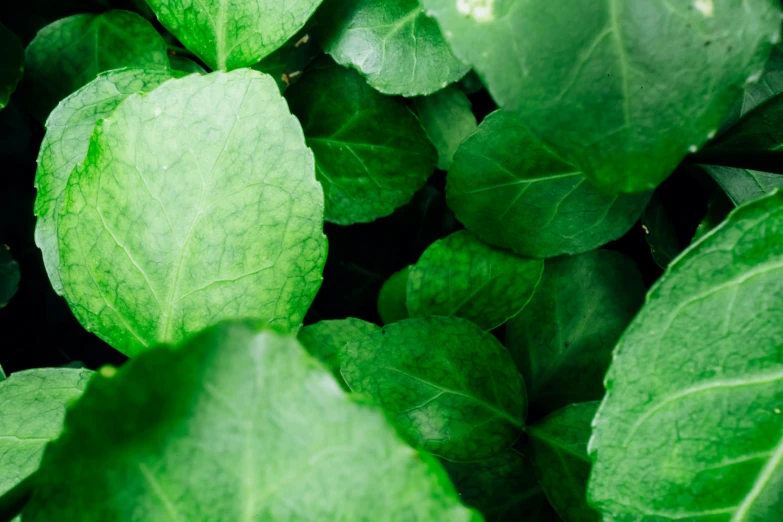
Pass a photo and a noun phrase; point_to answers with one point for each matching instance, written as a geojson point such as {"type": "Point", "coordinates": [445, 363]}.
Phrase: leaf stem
{"type": "Point", "coordinates": [15, 499]}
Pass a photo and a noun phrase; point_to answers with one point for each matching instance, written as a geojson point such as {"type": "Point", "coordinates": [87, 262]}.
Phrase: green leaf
{"type": "Point", "coordinates": [512, 191]}
{"type": "Point", "coordinates": [231, 35]}
{"type": "Point", "coordinates": [451, 388]}
{"type": "Point", "coordinates": [695, 390]}
{"type": "Point", "coordinates": [502, 488]}
{"type": "Point", "coordinates": [612, 97]}
{"type": "Point", "coordinates": [744, 185]}
{"type": "Point", "coordinates": [562, 341]}
{"type": "Point", "coordinates": [560, 453]}
{"type": "Point", "coordinates": [770, 85]}
{"type": "Point", "coordinates": [325, 339]}
{"type": "Point", "coordinates": [447, 118]}
{"type": "Point", "coordinates": [233, 425]}
{"type": "Point", "coordinates": [33, 403]}
{"type": "Point", "coordinates": [394, 45]}
{"type": "Point", "coordinates": [65, 145]}
{"type": "Point", "coordinates": [392, 297]}
{"type": "Point", "coordinates": [371, 152]}
{"type": "Point", "coordinates": [70, 52]}
{"type": "Point", "coordinates": [660, 232]}
{"type": "Point", "coordinates": [9, 275]}
{"type": "Point", "coordinates": [461, 276]}
{"type": "Point", "coordinates": [218, 240]}
{"type": "Point", "coordinates": [11, 64]}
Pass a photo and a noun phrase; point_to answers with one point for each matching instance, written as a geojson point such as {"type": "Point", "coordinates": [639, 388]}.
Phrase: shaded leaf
{"type": "Point", "coordinates": [447, 118]}
{"type": "Point", "coordinates": [11, 64]}
{"type": "Point", "coordinates": [392, 297]}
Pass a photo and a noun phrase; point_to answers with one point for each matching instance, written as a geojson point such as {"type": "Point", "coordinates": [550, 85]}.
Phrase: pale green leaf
{"type": "Point", "coordinates": [234, 425]}
{"type": "Point", "coordinates": [450, 387]}
{"type": "Point", "coordinates": [562, 341]}
{"type": "Point", "coordinates": [447, 118]}
{"type": "Point", "coordinates": [197, 202]}
{"type": "Point", "coordinates": [371, 152]}
{"type": "Point", "coordinates": [623, 89]}
{"type": "Point", "coordinates": [232, 34]}
{"type": "Point", "coordinates": [392, 297]}
{"type": "Point", "coordinates": [510, 189]}
{"type": "Point", "coordinates": [68, 131]}
{"type": "Point", "coordinates": [695, 390]}
{"type": "Point", "coordinates": [395, 45]}
{"type": "Point", "coordinates": [70, 52]}
{"type": "Point", "coordinates": [461, 276]}
{"type": "Point", "coordinates": [559, 444]}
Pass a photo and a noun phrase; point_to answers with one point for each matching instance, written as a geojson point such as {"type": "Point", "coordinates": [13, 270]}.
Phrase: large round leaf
{"type": "Point", "coordinates": [197, 202]}
{"type": "Point", "coordinates": [234, 425]}
{"type": "Point", "coordinates": [624, 89]}
{"type": "Point", "coordinates": [68, 131]}
{"type": "Point", "coordinates": [395, 45]}
{"type": "Point", "coordinates": [229, 35]}
{"type": "Point", "coordinates": [449, 386]}
{"type": "Point", "coordinates": [70, 52]}
{"type": "Point", "coordinates": [691, 425]}
{"type": "Point", "coordinates": [508, 187]}
{"type": "Point", "coordinates": [461, 276]}
{"type": "Point", "coordinates": [371, 153]}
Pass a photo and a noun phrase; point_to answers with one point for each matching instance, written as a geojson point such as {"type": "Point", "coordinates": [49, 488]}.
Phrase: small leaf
{"type": "Point", "coordinates": [70, 52]}
{"type": "Point", "coordinates": [771, 84]}
{"type": "Point", "coordinates": [450, 387]}
{"type": "Point", "coordinates": [371, 152]}
{"type": "Point", "coordinates": [325, 339]}
{"type": "Point", "coordinates": [392, 297]}
{"type": "Point", "coordinates": [502, 488]}
{"type": "Point", "coordinates": [461, 276]}
{"type": "Point", "coordinates": [744, 185]}
{"type": "Point", "coordinates": [233, 425]}
{"type": "Point", "coordinates": [695, 390]}
{"type": "Point", "coordinates": [68, 131]}
{"type": "Point", "coordinates": [394, 45]}
{"type": "Point", "coordinates": [165, 229]}
{"type": "Point", "coordinates": [9, 275]}
{"type": "Point", "coordinates": [562, 341]}
{"type": "Point", "coordinates": [634, 86]}
{"type": "Point", "coordinates": [660, 231]}
{"type": "Point", "coordinates": [11, 64]}
{"type": "Point", "coordinates": [34, 403]}
{"type": "Point", "coordinates": [231, 35]}
{"type": "Point", "coordinates": [560, 453]}
{"type": "Point", "coordinates": [513, 192]}
{"type": "Point", "coordinates": [447, 119]}
{"type": "Point", "coordinates": [185, 65]}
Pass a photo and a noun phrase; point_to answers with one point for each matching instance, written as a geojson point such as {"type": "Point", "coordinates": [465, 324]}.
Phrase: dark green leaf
{"type": "Point", "coordinates": [562, 341]}
{"type": "Point", "coordinates": [325, 339]}
{"type": "Point", "coordinates": [11, 64]}
{"type": "Point", "coordinates": [371, 152]}
{"type": "Point", "coordinates": [744, 185]}
{"type": "Point", "coordinates": [220, 241]}
{"type": "Point", "coordinates": [68, 131]}
{"type": "Point", "coordinates": [560, 453]}
{"type": "Point", "coordinates": [691, 425]}
{"type": "Point", "coordinates": [392, 297]}
{"type": "Point", "coordinates": [230, 35]}
{"type": "Point", "coordinates": [447, 119]}
{"type": "Point", "coordinates": [288, 63]}
{"type": "Point", "coordinates": [770, 85]}
{"type": "Point", "coordinates": [623, 89]}
{"type": "Point", "coordinates": [69, 53]}
{"type": "Point", "coordinates": [395, 45]}
{"type": "Point", "coordinates": [185, 65]}
{"type": "Point", "coordinates": [660, 231]}
{"type": "Point", "coordinates": [33, 406]}
{"type": "Point", "coordinates": [234, 425]}
{"type": "Point", "coordinates": [510, 189]}
{"type": "Point", "coordinates": [502, 488]}
{"type": "Point", "coordinates": [450, 387]}
{"type": "Point", "coordinates": [461, 276]}
{"type": "Point", "coordinates": [9, 275]}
